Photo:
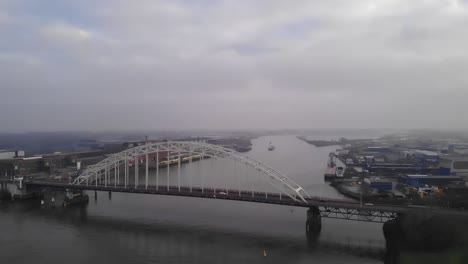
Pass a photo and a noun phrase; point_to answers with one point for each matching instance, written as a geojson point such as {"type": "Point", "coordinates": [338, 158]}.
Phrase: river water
{"type": "Point", "coordinates": [130, 228]}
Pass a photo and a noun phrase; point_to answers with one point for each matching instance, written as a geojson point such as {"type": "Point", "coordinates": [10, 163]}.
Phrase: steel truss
{"type": "Point", "coordinates": [365, 215]}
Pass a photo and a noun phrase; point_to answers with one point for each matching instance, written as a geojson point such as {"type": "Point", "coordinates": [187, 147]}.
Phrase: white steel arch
{"type": "Point", "coordinates": [104, 169]}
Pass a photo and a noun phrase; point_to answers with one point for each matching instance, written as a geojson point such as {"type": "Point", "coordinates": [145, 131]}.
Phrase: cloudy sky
{"type": "Point", "coordinates": [234, 64]}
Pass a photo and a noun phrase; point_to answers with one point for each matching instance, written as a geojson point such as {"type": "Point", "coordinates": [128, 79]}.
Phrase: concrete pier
{"type": "Point", "coordinates": [3, 186]}
{"type": "Point", "coordinates": [5, 195]}
{"type": "Point", "coordinates": [313, 225]}
{"type": "Point", "coordinates": [393, 239]}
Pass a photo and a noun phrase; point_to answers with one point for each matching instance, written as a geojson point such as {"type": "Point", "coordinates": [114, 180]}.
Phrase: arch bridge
{"type": "Point", "coordinates": [150, 169]}
{"type": "Point", "coordinates": [163, 155]}
{"type": "Point", "coordinates": [120, 172]}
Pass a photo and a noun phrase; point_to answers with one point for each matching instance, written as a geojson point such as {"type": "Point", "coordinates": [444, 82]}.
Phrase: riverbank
{"type": "Point", "coordinates": [241, 144]}
{"type": "Point", "coordinates": [320, 143]}
{"type": "Point", "coordinates": [326, 143]}
{"type": "Point", "coordinates": [351, 190]}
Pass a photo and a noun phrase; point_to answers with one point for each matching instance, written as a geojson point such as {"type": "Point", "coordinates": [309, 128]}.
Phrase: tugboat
{"type": "Point", "coordinates": [271, 147]}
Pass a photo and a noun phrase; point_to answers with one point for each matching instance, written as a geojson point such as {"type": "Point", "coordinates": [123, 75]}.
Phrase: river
{"type": "Point", "coordinates": [132, 228]}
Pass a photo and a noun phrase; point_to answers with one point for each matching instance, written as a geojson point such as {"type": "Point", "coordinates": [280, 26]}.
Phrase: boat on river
{"type": "Point", "coordinates": [271, 147]}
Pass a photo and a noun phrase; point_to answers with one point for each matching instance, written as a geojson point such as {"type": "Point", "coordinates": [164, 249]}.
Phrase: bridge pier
{"type": "Point", "coordinates": [4, 193]}
{"type": "Point", "coordinates": [110, 195]}
{"type": "Point", "coordinates": [95, 195]}
{"type": "Point", "coordinates": [313, 225]}
{"type": "Point", "coordinates": [393, 239]}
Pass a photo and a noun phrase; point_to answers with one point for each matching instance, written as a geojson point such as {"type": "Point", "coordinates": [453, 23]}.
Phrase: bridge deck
{"type": "Point", "coordinates": [329, 208]}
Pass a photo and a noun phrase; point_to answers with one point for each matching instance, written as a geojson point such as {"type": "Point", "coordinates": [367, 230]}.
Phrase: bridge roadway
{"type": "Point", "coordinates": [329, 208]}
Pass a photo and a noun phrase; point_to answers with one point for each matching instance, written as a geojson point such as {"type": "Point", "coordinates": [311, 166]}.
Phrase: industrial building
{"type": "Point", "coordinates": [458, 148]}
{"type": "Point", "coordinates": [421, 156]}
{"type": "Point", "coordinates": [378, 183]}
{"type": "Point", "coordinates": [422, 180]}
{"type": "Point", "coordinates": [396, 168]}
{"type": "Point", "coordinates": [11, 154]}
{"type": "Point", "coordinates": [454, 165]}
{"type": "Point", "coordinates": [457, 195]}
{"type": "Point", "coordinates": [378, 150]}
{"type": "Point", "coordinates": [426, 156]}
{"type": "Point", "coordinates": [20, 165]}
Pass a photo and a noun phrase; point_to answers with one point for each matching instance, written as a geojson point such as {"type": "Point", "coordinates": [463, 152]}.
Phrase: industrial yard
{"type": "Point", "coordinates": [401, 169]}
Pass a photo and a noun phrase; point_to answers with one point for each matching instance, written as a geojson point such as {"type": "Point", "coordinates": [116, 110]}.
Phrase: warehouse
{"type": "Point", "coordinates": [378, 183]}
{"type": "Point", "coordinates": [422, 180]}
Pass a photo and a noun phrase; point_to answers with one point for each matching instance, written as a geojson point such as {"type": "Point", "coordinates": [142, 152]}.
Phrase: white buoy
{"type": "Point", "coordinates": [42, 202]}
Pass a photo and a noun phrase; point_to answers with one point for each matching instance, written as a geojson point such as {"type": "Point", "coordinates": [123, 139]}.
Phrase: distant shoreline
{"type": "Point", "coordinates": [320, 143]}
{"type": "Point", "coordinates": [327, 143]}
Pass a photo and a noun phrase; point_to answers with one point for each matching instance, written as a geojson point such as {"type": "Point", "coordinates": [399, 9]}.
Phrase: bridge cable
{"type": "Point", "coordinates": [146, 169]}
{"type": "Point", "coordinates": [238, 178]}
{"type": "Point", "coordinates": [118, 173]}
{"type": "Point", "coordinates": [115, 172]}
{"type": "Point", "coordinates": [178, 167]}
{"type": "Point", "coordinates": [105, 174]}
{"type": "Point", "coordinates": [266, 189]}
{"type": "Point", "coordinates": [203, 174]}
{"type": "Point", "coordinates": [157, 168]}
{"type": "Point", "coordinates": [191, 169]}
{"type": "Point", "coordinates": [167, 173]}
{"type": "Point", "coordinates": [211, 165]}
{"type": "Point", "coordinates": [223, 173]}
{"type": "Point", "coordinates": [136, 169]}
{"type": "Point", "coordinates": [252, 187]}
{"type": "Point", "coordinates": [125, 170]}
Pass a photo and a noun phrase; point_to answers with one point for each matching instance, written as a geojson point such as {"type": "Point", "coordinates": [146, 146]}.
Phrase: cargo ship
{"type": "Point", "coordinates": [330, 172]}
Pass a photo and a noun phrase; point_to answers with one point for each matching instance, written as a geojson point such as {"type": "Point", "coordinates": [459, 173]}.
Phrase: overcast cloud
{"type": "Point", "coordinates": [206, 64]}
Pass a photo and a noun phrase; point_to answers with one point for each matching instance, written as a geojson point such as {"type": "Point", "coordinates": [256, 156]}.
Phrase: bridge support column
{"type": "Point", "coordinates": [313, 225]}
{"type": "Point", "coordinates": [4, 194]}
{"type": "Point", "coordinates": [110, 195]}
{"type": "Point", "coordinates": [392, 233]}
{"type": "Point", "coordinates": [95, 195]}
